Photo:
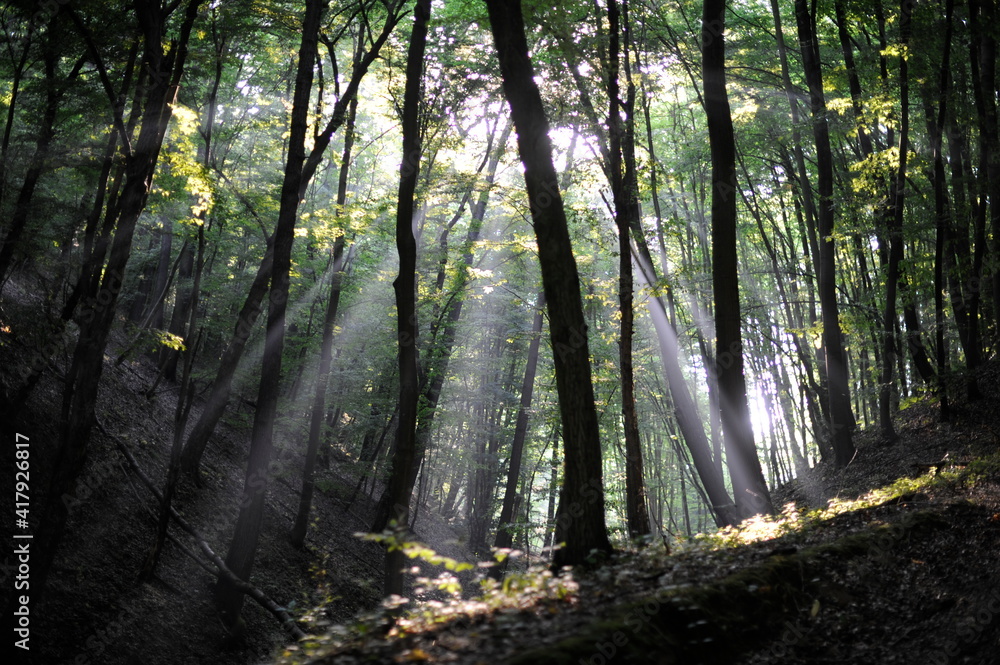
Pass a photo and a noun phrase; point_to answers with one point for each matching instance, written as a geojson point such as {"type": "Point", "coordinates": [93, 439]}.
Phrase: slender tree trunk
{"type": "Point", "coordinates": [979, 188]}
{"type": "Point", "coordinates": [394, 506]}
{"type": "Point", "coordinates": [894, 218]}
{"type": "Point", "coordinates": [185, 399]}
{"type": "Point", "coordinates": [252, 306]}
{"type": "Point", "coordinates": [580, 522]}
{"type": "Point", "coordinates": [83, 378]}
{"type": "Point", "coordinates": [243, 549]}
{"type": "Point", "coordinates": [983, 16]}
{"type": "Point", "coordinates": [842, 422]}
{"type": "Point", "coordinates": [504, 537]}
{"type": "Point", "coordinates": [444, 329]}
{"type": "Point", "coordinates": [550, 513]}
{"type": "Point", "coordinates": [46, 132]}
{"type": "Point", "coordinates": [152, 310]}
{"type": "Point", "coordinates": [298, 532]}
{"type": "Point", "coordinates": [183, 297]}
{"type": "Point", "coordinates": [943, 240]}
{"type": "Point", "coordinates": [686, 410]}
{"type": "Point", "coordinates": [806, 214]}
{"type": "Point", "coordinates": [218, 397]}
{"type": "Point", "coordinates": [15, 86]}
{"type": "Point", "coordinates": [749, 487]}
{"type": "Point", "coordinates": [624, 188]}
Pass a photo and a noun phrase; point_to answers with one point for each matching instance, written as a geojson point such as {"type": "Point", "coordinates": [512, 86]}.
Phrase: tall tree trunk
{"type": "Point", "coordinates": [894, 219]}
{"type": "Point", "coordinates": [242, 550]}
{"type": "Point", "coordinates": [958, 252]}
{"type": "Point", "coordinates": [621, 137]}
{"type": "Point", "coordinates": [38, 164]}
{"type": "Point", "coordinates": [15, 86]}
{"type": "Point", "coordinates": [553, 494]}
{"type": "Point", "coordinates": [686, 409]}
{"type": "Point", "coordinates": [944, 222]}
{"type": "Point", "coordinates": [83, 378]}
{"type": "Point", "coordinates": [394, 505]}
{"type": "Point", "coordinates": [187, 295]}
{"type": "Point", "coordinates": [505, 534]}
{"type": "Point", "coordinates": [841, 415]}
{"type": "Point", "coordinates": [298, 532]}
{"type": "Point", "coordinates": [218, 397]}
{"type": "Point", "coordinates": [965, 277]}
{"type": "Point", "coordinates": [580, 520]}
{"type": "Point", "coordinates": [183, 297]}
{"type": "Point", "coordinates": [983, 15]}
{"type": "Point", "coordinates": [185, 398]}
{"type": "Point", "coordinates": [749, 487]}
{"type": "Point", "coordinates": [252, 306]}
{"type": "Point", "coordinates": [807, 215]}
{"type": "Point", "coordinates": [148, 308]}
{"type": "Point", "coordinates": [444, 328]}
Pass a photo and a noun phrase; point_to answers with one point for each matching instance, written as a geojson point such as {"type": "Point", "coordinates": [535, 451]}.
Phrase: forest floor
{"type": "Point", "coordinates": [95, 611]}
{"type": "Point", "coordinates": [887, 561]}
{"type": "Point", "coordinates": [895, 559]}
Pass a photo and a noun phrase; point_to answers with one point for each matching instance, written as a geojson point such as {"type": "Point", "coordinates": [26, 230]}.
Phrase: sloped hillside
{"type": "Point", "coordinates": [893, 560]}
{"type": "Point", "coordinates": [95, 610]}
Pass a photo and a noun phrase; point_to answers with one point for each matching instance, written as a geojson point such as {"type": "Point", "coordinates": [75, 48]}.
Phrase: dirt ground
{"type": "Point", "coordinates": [95, 610]}
{"type": "Point", "coordinates": [911, 579]}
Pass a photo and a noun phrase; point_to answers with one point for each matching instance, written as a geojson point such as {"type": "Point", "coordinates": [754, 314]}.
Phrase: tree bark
{"type": "Point", "coordinates": [242, 550]}
{"type": "Point", "coordinates": [749, 487]}
{"type": "Point", "coordinates": [15, 85]}
{"type": "Point", "coordinates": [943, 216]}
{"type": "Point", "coordinates": [252, 306]}
{"type": "Point", "coordinates": [183, 298]}
{"type": "Point", "coordinates": [894, 219]}
{"type": "Point", "coordinates": [689, 421]}
{"type": "Point", "coordinates": [394, 506]}
{"type": "Point", "coordinates": [46, 132]}
{"type": "Point", "coordinates": [841, 415]}
{"type": "Point", "coordinates": [218, 397]}
{"type": "Point", "coordinates": [505, 536]}
{"type": "Point", "coordinates": [580, 522]}
{"type": "Point", "coordinates": [621, 137]}
{"type": "Point", "coordinates": [983, 15]}
{"type": "Point", "coordinates": [83, 378]}
{"type": "Point", "coordinates": [298, 532]}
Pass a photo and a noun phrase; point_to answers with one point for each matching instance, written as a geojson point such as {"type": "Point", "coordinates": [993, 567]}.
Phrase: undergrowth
{"type": "Point", "coordinates": [442, 601]}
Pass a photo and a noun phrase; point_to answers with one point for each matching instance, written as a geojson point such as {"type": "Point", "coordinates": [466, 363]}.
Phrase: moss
{"type": "Point", "coordinates": [716, 622]}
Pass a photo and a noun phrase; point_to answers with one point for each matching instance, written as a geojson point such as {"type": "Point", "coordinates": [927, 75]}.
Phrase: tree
{"type": "Point", "coordinates": [165, 70]}
{"type": "Point", "coordinates": [242, 550]}
{"type": "Point", "coordinates": [580, 516]}
{"type": "Point", "coordinates": [621, 137]}
{"type": "Point", "coordinates": [394, 506]}
{"type": "Point", "coordinates": [253, 304]}
{"type": "Point", "coordinates": [842, 423]}
{"type": "Point", "coordinates": [749, 487]}
{"type": "Point", "coordinates": [505, 537]}
{"type": "Point", "coordinates": [298, 532]}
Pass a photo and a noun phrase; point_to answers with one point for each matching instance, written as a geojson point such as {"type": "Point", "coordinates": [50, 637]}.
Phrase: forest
{"type": "Point", "coordinates": [507, 289]}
